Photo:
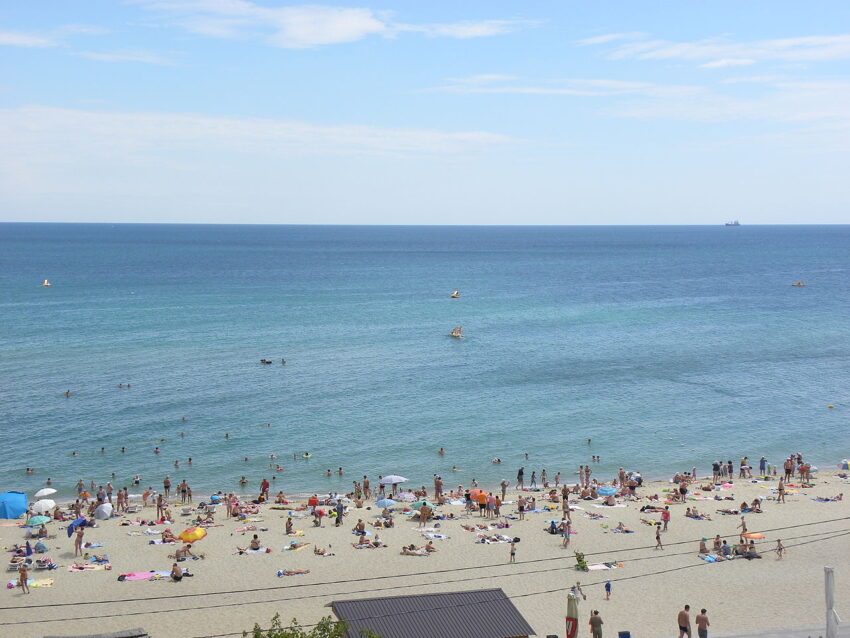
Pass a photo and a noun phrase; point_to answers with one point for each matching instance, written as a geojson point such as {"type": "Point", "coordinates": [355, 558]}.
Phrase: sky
{"type": "Point", "coordinates": [437, 112]}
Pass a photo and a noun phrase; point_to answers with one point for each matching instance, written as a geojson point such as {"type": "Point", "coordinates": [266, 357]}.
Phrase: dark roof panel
{"type": "Point", "coordinates": [481, 613]}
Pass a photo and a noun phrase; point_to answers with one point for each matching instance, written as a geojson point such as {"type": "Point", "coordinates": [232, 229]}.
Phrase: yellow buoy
{"type": "Point", "coordinates": [830, 406]}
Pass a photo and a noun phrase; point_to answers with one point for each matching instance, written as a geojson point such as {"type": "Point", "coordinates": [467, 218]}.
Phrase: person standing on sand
{"type": "Point", "coordinates": [780, 491]}
{"type": "Point", "coordinates": [78, 541]}
{"type": "Point", "coordinates": [504, 486]}
{"type": "Point", "coordinates": [684, 622]}
{"type": "Point", "coordinates": [533, 484]}
{"type": "Point", "coordinates": [780, 549]}
{"type": "Point", "coordinates": [658, 544]}
{"type": "Point", "coordinates": [607, 590]}
{"type": "Point", "coordinates": [166, 486]}
{"type": "Point", "coordinates": [520, 478]}
{"type": "Point", "coordinates": [366, 491]}
{"type": "Point", "coordinates": [743, 525]}
{"type": "Point", "coordinates": [23, 578]}
{"type": "Point", "coordinates": [513, 553]}
{"type": "Point", "coordinates": [702, 624]}
{"type": "Point", "coordinates": [596, 624]}
{"type": "Point", "coordinates": [665, 517]}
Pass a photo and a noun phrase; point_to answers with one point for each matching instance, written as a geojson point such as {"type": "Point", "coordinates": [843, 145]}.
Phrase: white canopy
{"type": "Point", "coordinates": [43, 506]}
{"type": "Point", "coordinates": [103, 512]}
{"type": "Point", "coordinates": [47, 491]}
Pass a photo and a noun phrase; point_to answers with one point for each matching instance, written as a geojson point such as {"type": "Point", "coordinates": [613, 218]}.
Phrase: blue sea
{"type": "Point", "coordinates": [668, 347]}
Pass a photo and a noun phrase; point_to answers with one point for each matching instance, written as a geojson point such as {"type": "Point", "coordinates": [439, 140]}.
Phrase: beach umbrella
{"type": "Point", "coordinates": [844, 465]}
{"type": "Point", "coordinates": [406, 496]}
{"type": "Point", "coordinates": [607, 491]}
{"type": "Point", "coordinates": [80, 522]}
{"type": "Point", "coordinates": [474, 493]}
{"type": "Point", "coordinates": [754, 535]}
{"type": "Point", "coordinates": [192, 534]}
{"type": "Point", "coordinates": [35, 521]}
{"type": "Point", "coordinates": [391, 479]}
{"type": "Point", "coordinates": [12, 504]}
{"type": "Point", "coordinates": [418, 504]}
{"type": "Point", "coordinates": [42, 506]}
{"type": "Point", "coordinates": [385, 502]}
{"type": "Point", "coordinates": [47, 491]}
{"type": "Point", "coordinates": [103, 512]}
{"type": "Point", "coordinates": [572, 616]}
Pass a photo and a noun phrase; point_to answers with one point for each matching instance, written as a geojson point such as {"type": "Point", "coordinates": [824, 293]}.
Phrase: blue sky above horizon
{"type": "Point", "coordinates": [552, 112]}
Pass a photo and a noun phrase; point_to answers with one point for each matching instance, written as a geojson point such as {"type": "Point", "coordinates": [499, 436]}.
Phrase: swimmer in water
{"type": "Point", "coordinates": [441, 451]}
{"type": "Point", "coordinates": [176, 463]}
{"type": "Point", "coordinates": [189, 460]}
{"type": "Point", "coordinates": [328, 472]}
{"type": "Point", "coordinates": [454, 468]}
{"type": "Point", "coordinates": [73, 454]}
{"type": "Point", "coordinates": [184, 419]}
{"type": "Point", "coordinates": [226, 435]}
{"type": "Point", "coordinates": [588, 441]}
{"type": "Point", "coordinates": [123, 449]}
{"type": "Point", "coordinates": [156, 450]}
{"type": "Point", "coordinates": [245, 459]}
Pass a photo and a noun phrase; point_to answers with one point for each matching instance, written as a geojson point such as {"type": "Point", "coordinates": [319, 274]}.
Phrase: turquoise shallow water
{"type": "Point", "coordinates": [668, 346]}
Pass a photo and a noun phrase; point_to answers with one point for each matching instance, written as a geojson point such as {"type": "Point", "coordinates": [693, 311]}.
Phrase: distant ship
{"type": "Point", "coordinates": [733, 223]}
{"type": "Point", "coordinates": [46, 283]}
{"type": "Point", "coordinates": [455, 294]}
{"type": "Point", "coordinates": [457, 332]}
{"type": "Point", "coordinates": [799, 284]}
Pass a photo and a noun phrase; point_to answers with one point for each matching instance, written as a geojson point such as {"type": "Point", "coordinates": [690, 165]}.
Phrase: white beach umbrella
{"type": "Point", "coordinates": [47, 491]}
{"type": "Point", "coordinates": [43, 506]}
{"type": "Point", "coordinates": [103, 512]}
{"type": "Point", "coordinates": [391, 479]}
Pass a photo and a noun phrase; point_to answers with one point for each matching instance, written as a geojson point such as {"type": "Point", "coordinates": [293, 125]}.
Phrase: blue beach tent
{"type": "Point", "coordinates": [12, 504]}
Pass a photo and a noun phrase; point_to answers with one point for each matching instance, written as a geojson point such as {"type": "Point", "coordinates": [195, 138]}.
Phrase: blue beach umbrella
{"type": "Point", "coordinates": [80, 521]}
{"type": "Point", "coordinates": [418, 504]}
{"type": "Point", "coordinates": [385, 502]}
{"type": "Point", "coordinates": [35, 521]}
{"type": "Point", "coordinates": [606, 491]}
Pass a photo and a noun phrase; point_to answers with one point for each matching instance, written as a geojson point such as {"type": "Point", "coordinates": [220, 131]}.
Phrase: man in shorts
{"type": "Point", "coordinates": [684, 622]}
{"type": "Point", "coordinates": [702, 624]}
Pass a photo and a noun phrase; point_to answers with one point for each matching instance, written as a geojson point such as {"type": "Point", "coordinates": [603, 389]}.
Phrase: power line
{"type": "Point", "coordinates": [390, 576]}
{"type": "Point", "coordinates": [538, 593]}
{"type": "Point", "coordinates": [395, 587]}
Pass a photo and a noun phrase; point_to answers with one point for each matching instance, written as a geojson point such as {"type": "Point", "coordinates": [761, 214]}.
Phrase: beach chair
{"type": "Point", "coordinates": [211, 509]}
{"type": "Point", "coordinates": [133, 509]}
{"type": "Point", "coordinates": [186, 511]}
{"type": "Point", "coordinates": [43, 563]}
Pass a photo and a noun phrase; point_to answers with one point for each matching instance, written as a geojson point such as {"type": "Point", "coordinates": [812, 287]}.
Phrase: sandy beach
{"type": "Point", "coordinates": [229, 592]}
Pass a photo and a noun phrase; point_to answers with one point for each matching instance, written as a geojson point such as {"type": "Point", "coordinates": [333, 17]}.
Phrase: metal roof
{"type": "Point", "coordinates": [127, 633]}
{"type": "Point", "coordinates": [480, 613]}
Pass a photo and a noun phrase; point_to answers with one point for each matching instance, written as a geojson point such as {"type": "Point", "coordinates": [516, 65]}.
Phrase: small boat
{"type": "Point", "coordinates": [799, 284]}
{"type": "Point", "coordinates": [455, 294]}
{"type": "Point", "coordinates": [734, 222]}
{"type": "Point", "coordinates": [457, 332]}
{"type": "Point", "coordinates": [46, 283]}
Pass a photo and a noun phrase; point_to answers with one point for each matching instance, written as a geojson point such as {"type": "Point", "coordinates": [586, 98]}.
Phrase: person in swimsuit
{"type": "Point", "coordinates": [684, 622]}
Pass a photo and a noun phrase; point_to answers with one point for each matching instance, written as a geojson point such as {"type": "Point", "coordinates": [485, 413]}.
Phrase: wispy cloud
{"type": "Point", "coordinates": [720, 52]}
{"type": "Point", "coordinates": [126, 55]}
{"type": "Point", "coordinates": [610, 37]}
{"type": "Point", "coordinates": [16, 39]}
{"type": "Point", "coordinates": [68, 131]}
{"type": "Point", "coordinates": [307, 26]}
{"type": "Point", "coordinates": [580, 87]}
{"type": "Point", "coordinates": [727, 62]}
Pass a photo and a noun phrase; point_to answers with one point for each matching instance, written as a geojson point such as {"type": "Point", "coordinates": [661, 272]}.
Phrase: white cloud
{"type": "Point", "coordinates": [468, 29]}
{"type": "Point", "coordinates": [727, 62]}
{"type": "Point", "coordinates": [307, 26]}
{"type": "Point", "coordinates": [47, 131]}
{"type": "Point", "coordinates": [719, 50]}
{"type": "Point", "coordinates": [144, 57]}
{"type": "Point", "coordinates": [13, 39]}
{"type": "Point", "coordinates": [609, 37]}
{"type": "Point", "coordinates": [580, 87]}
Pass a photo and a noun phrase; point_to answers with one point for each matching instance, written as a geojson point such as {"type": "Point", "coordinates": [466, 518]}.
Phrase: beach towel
{"type": "Point", "coordinates": [247, 528]}
{"type": "Point", "coordinates": [623, 531]}
{"type": "Point", "coordinates": [608, 506]}
{"type": "Point", "coordinates": [262, 550]}
{"type": "Point", "coordinates": [135, 576]}
{"type": "Point", "coordinates": [88, 545]}
{"type": "Point", "coordinates": [159, 541]}
{"type": "Point", "coordinates": [101, 561]}
{"type": "Point", "coordinates": [490, 541]}
{"type": "Point", "coordinates": [826, 500]}
{"type": "Point", "coordinates": [32, 582]}
{"type": "Point", "coordinates": [366, 533]}
{"type": "Point", "coordinates": [602, 566]}
{"type": "Point", "coordinates": [436, 537]}
{"type": "Point", "coordinates": [153, 532]}
{"type": "Point", "coordinates": [296, 532]}
{"type": "Point", "coordinates": [88, 568]}
{"type": "Point", "coordinates": [292, 548]}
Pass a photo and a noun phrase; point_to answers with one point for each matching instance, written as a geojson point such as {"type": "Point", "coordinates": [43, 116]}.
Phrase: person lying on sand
{"type": "Point", "coordinates": [621, 528]}
{"type": "Point", "coordinates": [168, 536]}
{"type": "Point", "coordinates": [646, 521]}
{"type": "Point", "coordinates": [321, 551]}
{"type": "Point", "coordinates": [293, 572]}
{"type": "Point", "coordinates": [729, 511]}
{"type": "Point", "coordinates": [412, 550]}
{"type": "Point", "coordinates": [429, 547]}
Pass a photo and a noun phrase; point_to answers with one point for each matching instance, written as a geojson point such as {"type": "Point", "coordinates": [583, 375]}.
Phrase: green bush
{"type": "Point", "coordinates": [327, 627]}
